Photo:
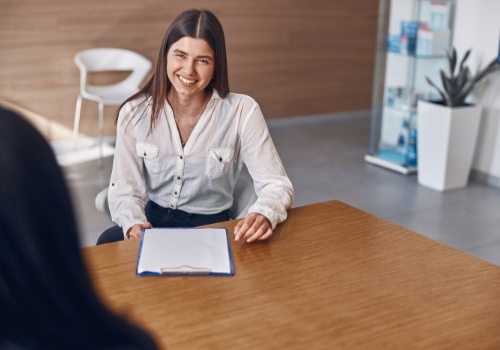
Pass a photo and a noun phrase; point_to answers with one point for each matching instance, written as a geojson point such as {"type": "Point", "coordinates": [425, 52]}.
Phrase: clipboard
{"type": "Point", "coordinates": [184, 251]}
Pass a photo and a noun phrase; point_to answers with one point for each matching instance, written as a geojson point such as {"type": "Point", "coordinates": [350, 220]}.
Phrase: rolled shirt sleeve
{"type": "Point", "coordinates": [127, 194]}
{"type": "Point", "coordinates": [272, 186]}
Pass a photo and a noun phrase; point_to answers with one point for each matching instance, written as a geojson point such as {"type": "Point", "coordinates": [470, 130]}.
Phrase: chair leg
{"type": "Point", "coordinates": [101, 134]}
{"type": "Point", "coordinates": [76, 124]}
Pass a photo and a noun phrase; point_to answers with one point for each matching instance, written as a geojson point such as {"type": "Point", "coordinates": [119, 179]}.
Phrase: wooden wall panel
{"type": "Point", "coordinates": [294, 57]}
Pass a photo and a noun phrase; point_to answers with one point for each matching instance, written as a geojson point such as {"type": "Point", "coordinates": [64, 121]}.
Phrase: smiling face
{"type": "Point", "coordinates": [190, 66]}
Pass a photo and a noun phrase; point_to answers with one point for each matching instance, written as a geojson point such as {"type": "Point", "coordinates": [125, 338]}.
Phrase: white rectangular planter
{"type": "Point", "coordinates": [445, 144]}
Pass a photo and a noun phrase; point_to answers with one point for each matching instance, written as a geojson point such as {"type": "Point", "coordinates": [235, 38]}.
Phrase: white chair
{"type": "Point", "coordinates": [106, 60]}
{"type": "Point", "coordinates": [243, 197]}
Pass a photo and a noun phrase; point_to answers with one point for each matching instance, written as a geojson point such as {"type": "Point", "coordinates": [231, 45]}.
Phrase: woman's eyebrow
{"type": "Point", "coordinates": [206, 57]}
{"type": "Point", "coordinates": [200, 56]}
{"type": "Point", "coordinates": [180, 51]}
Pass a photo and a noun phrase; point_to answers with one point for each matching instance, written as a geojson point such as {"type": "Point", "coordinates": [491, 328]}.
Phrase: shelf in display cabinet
{"type": "Point", "coordinates": [427, 57]}
{"type": "Point", "coordinates": [403, 109]}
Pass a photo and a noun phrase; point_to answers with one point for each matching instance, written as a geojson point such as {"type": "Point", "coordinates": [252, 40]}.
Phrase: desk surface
{"type": "Point", "coordinates": [331, 277]}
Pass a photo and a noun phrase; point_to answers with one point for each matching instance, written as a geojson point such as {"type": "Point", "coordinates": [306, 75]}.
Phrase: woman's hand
{"type": "Point", "coordinates": [254, 226]}
{"type": "Point", "coordinates": [135, 231]}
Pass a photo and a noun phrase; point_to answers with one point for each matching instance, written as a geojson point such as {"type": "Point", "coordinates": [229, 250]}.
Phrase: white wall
{"type": "Point", "coordinates": [477, 26]}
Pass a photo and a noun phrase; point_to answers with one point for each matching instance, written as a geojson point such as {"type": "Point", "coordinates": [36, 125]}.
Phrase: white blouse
{"type": "Point", "coordinates": [200, 177]}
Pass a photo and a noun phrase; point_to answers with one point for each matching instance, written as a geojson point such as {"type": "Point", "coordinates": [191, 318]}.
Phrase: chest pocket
{"type": "Point", "coordinates": [149, 153]}
{"type": "Point", "coordinates": [218, 162]}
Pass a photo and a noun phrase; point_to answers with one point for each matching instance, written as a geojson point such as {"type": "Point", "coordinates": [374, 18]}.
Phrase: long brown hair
{"type": "Point", "coordinates": [200, 24]}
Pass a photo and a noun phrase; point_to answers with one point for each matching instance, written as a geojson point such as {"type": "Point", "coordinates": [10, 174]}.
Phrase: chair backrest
{"type": "Point", "coordinates": [243, 197]}
{"type": "Point", "coordinates": [112, 59]}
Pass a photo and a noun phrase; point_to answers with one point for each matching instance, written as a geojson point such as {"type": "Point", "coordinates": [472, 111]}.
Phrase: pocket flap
{"type": "Point", "coordinates": [146, 150]}
{"type": "Point", "coordinates": [223, 155]}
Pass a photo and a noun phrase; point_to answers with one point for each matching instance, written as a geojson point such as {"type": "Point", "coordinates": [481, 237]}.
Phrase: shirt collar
{"type": "Point", "coordinates": [215, 95]}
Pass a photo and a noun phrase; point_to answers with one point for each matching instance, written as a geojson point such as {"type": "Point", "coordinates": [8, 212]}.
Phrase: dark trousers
{"type": "Point", "coordinates": [165, 217]}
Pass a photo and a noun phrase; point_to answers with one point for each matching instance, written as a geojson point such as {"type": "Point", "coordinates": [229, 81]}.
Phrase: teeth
{"type": "Point", "coordinates": [186, 81]}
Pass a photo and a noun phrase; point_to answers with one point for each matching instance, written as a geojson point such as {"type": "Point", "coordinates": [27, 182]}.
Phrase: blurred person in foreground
{"type": "Point", "coordinates": [46, 297]}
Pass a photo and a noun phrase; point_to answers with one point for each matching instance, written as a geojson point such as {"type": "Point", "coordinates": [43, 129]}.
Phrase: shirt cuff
{"type": "Point", "coordinates": [127, 226]}
{"type": "Point", "coordinates": [264, 211]}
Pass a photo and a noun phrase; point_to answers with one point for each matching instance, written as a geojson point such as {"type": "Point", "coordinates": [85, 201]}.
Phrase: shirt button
{"type": "Point", "coordinates": [171, 205]}
{"type": "Point", "coordinates": [175, 193]}
{"type": "Point", "coordinates": [144, 154]}
{"type": "Point", "coordinates": [178, 177]}
{"type": "Point", "coordinates": [220, 159]}
{"type": "Point", "coordinates": [180, 157]}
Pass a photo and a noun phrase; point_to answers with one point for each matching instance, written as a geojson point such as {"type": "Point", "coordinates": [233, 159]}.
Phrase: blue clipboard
{"type": "Point", "coordinates": [185, 252]}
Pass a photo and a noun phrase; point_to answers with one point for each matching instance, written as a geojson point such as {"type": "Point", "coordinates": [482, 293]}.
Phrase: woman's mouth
{"type": "Point", "coordinates": [186, 81]}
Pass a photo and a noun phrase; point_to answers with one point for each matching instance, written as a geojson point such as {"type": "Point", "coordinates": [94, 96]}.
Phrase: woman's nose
{"type": "Point", "coordinates": [189, 67]}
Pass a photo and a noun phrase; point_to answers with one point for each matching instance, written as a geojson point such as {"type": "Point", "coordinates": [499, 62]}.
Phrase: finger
{"type": "Point", "coordinates": [237, 227]}
{"type": "Point", "coordinates": [255, 229]}
{"type": "Point", "coordinates": [130, 233]}
{"type": "Point", "coordinates": [259, 232]}
{"type": "Point", "coordinates": [266, 235]}
{"type": "Point", "coordinates": [135, 233]}
{"type": "Point", "coordinates": [136, 230]}
{"type": "Point", "coordinates": [258, 227]}
{"type": "Point", "coordinates": [246, 224]}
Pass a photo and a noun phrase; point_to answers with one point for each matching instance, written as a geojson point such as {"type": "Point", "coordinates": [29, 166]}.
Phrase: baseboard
{"type": "Point", "coordinates": [484, 178]}
{"type": "Point", "coordinates": [316, 119]}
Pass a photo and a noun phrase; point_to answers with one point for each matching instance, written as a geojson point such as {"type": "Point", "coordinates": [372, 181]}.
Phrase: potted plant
{"type": "Point", "coordinates": [448, 128]}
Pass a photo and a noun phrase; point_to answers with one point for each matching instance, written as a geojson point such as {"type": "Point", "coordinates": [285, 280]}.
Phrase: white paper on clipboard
{"type": "Point", "coordinates": [184, 251]}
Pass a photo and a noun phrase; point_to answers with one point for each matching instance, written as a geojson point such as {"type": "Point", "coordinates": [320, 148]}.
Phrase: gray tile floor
{"type": "Point", "coordinates": [324, 159]}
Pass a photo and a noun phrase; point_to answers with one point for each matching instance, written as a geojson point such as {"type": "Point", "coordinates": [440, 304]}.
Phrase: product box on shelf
{"type": "Point", "coordinates": [409, 31]}
{"type": "Point", "coordinates": [439, 15]}
{"type": "Point", "coordinates": [432, 42]}
{"type": "Point", "coordinates": [393, 43]}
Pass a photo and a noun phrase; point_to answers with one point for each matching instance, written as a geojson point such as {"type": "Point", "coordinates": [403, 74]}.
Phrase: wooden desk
{"type": "Point", "coordinates": [332, 277]}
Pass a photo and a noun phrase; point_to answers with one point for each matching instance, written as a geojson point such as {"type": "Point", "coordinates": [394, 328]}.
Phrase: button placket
{"type": "Point", "coordinates": [177, 182]}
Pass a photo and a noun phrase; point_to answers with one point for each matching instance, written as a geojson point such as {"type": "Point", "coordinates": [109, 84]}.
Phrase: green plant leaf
{"type": "Point", "coordinates": [462, 63]}
{"type": "Point", "coordinates": [457, 87]}
{"type": "Point", "coordinates": [493, 66]}
{"type": "Point", "coordinates": [443, 96]}
{"type": "Point", "coordinates": [452, 61]}
{"type": "Point", "coordinates": [447, 83]}
{"type": "Point", "coordinates": [459, 98]}
{"type": "Point", "coordinates": [462, 77]}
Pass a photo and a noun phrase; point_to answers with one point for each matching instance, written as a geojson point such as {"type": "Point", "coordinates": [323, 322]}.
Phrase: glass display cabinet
{"type": "Point", "coordinates": [412, 40]}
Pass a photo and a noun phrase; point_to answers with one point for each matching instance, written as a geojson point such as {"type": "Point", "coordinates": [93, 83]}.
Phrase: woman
{"type": "Point", "coordinates": [183, 139]}
{"type": "Point", "coordinates": [46, 297]}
